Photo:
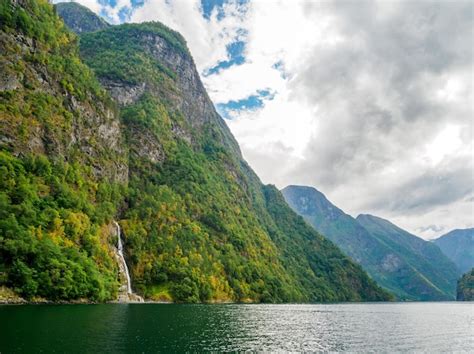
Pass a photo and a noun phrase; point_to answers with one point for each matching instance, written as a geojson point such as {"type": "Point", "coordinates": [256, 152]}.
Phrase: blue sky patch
{"type": "Point", "coordinates": [209, 5]}
{"type": "Point", "coordinates": [281, 68]}
{"type": "Point", "coordinates": [252, 102]}
{"type": "Point", "coordinates": [235, 51]}
{"type": "Point", "coordinates": [111, 3]}
{"type": "Point", "coordinates": [124, 14]}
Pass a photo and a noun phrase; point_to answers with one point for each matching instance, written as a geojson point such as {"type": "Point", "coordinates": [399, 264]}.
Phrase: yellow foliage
{"type": "Point", "coordinates": [77, 224]}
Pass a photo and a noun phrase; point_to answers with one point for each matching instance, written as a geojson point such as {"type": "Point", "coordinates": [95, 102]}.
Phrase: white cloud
{"type": "Point", "coordinates": [447, 142]}
{"type": "Point", "coordinates": [207, 39]}
{"type": "Point", "coordinates": [242, 81]}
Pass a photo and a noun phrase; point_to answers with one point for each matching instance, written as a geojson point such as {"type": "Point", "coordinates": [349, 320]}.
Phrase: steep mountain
{"type": "Point", "coordinates": [422, 255]}
{"type": "Point", "coordinates": [458, 245]}
{"type": "Point", "coordinates": [62, 161]}
{"type": "Point", "coordinates": [150, 153]}
{"type": "Point", "coordinates": [79, 18]}
{"type": "Point", "coordinates": [408, 266]}
{"type": "Point", "coordinates": [465, 289]}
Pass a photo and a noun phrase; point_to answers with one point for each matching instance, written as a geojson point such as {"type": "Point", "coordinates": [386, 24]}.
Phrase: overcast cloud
{"type": "Point", "coordinates": [371, 102]}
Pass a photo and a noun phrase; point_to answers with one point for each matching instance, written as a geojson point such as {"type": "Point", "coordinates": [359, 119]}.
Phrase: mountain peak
{"type": "Point", "coordinates": [373, 218]}
{"type": "Point", "coordinates": [310, 189]}
{"type": "Point", "coordinates": [308, 198]}
{"type": "Point", "coordinates": [79, 18]}
{"type": "Point", "coordinates": [469, 232]}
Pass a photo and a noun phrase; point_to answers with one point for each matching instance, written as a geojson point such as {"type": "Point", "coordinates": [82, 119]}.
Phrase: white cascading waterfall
{"type": "Point", "coordinates": [122, 258]}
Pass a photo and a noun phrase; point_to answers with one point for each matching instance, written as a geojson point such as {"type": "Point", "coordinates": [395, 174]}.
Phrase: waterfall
{"type": "Point", "coordinates": [120, 252]}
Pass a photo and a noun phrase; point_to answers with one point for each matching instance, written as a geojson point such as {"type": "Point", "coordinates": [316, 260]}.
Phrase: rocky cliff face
{"type": "Point", "coordinates": [52, 104]}
{"type": "Point", "coordinates": [171, 75]}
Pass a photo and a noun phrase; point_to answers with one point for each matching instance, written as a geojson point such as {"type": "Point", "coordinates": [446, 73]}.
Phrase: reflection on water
{"type": "Point", "coordinates": [429, 327]}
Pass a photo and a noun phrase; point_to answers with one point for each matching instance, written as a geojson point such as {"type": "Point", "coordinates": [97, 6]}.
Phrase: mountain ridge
{"type": "Point", "coordinates": [397, 260]}
{"type": "Point", "coordinates": [79, 18]}
{"type": "Point", "coordinates": [458, 245]}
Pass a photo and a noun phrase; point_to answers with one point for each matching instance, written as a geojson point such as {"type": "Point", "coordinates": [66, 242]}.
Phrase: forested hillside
{"type": "Point", "coordinates": [151, 152]}
{"type": "Point", "coordinates": [62, 161]}
{"type": "Point", "coordinates": [409, 267]}
{"type": "Point", "coordinates": [465, 289]}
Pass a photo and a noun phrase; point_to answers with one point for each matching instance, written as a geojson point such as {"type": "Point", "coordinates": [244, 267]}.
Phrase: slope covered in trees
{"type": "Point", "coordinates": [411, 268]}
{"type": "Point", "coordinates": [61, 161]}
{"type": "Point", "coordinates": [427, 259]}
{"type": "Point", "coordinates": [198, 224]}
{"type": "Point", "coordinates": [465, 288]}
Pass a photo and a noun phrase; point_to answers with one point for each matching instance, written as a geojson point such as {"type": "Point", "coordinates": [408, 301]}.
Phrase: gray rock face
{"type": "Point", "coordinates": [124, 93]}
{"type": "Point", "coordinates": [90, 126]}
{"type": "Point", "coordinates": [189, 96]}
{"type": "Point", "coordinates": [193, 100]}
{"type": "Point", "coordinates": [391, 263]}
{"type": "Point", "coordinates": [8, 80]}
{"type": "Point", "coordinates": [145, 145]}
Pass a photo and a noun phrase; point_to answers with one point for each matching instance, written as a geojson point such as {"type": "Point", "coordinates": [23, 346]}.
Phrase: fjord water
{"type": "Point", "coordinates": [431, 327]}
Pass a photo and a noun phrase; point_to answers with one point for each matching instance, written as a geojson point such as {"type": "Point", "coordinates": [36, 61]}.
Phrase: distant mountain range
{"type": "Point", "coordinates": [458, 245]}
{"type": "Point", "coordinates": [408, 266]}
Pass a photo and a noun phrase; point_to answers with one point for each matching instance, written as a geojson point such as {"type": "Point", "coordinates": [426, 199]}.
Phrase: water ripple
{"type": "Point", "coordinates": [393, 327]}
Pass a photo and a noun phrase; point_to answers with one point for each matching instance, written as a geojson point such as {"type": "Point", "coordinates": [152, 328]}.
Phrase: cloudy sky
{"type": "Point", "coordinates": [371, 102]}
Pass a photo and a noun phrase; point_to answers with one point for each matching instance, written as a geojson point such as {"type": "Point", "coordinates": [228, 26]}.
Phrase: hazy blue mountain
{"type": "Point", "coordinates": [422, 255]}
{"type": "Point", "coordinates": [458, 245]}
{"type": "Point", "coordinates": [410, 267]}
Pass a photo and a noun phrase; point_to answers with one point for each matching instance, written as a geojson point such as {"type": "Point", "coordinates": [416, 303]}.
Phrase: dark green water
{"type": "Point", "coordinates": [429, 327]}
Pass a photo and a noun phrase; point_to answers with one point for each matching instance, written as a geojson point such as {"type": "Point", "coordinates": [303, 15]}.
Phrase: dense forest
{"type": "Point", "coordinates": [116, 125]}
{"type": "Point", "coordinates": [465, 289]}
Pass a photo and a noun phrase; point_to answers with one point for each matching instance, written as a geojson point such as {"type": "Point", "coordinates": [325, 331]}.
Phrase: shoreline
{"type": "Point", "coordinates": [9, 297]}
{"type": "Point", "coordinates": [22, 301]}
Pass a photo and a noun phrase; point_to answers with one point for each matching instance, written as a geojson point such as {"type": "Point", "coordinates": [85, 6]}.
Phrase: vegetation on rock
{"type": "Point", "coordinates": [465, 289]}
{"type": "Point", "coordinates": [59, 176]}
